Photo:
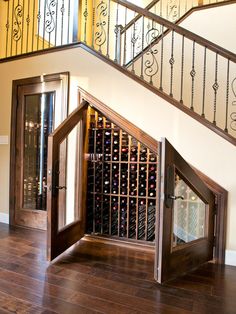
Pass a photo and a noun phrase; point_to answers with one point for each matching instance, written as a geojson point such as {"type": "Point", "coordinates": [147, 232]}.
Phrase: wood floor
{"type": "Point", "coordinates": [108, 279]}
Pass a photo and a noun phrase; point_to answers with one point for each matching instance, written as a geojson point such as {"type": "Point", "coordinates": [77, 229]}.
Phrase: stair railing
{"type": "Point", "coordinates": [187, 70]}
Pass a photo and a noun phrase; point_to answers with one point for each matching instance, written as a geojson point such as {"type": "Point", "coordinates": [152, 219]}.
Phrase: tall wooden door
{"type": "Point", "coordinates": [66, 215]}
{"type": "Point", "coordinates": [39, 108]}
{"type": "Point", "coordinates": [185, 220]}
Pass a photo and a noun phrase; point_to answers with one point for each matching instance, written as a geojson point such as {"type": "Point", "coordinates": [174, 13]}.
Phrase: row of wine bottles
{"type": "Point", "coordinates": [122, 217]}
{"type": "Point", "coordinates": [122, 176]}
{"type": "Point", "coordinates": [114, 145]}
{"type": "Point", "coordinates": [123, 179]}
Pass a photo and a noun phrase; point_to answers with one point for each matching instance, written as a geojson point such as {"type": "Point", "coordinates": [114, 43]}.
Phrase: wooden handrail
{"type": "Point", "coordinates": [148, 7]}
{"type": "Point", "coordinates": [180, 30]}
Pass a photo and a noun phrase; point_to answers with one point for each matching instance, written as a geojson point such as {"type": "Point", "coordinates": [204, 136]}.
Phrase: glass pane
{"type": "Point", "coordinates": [69, 174]}
{"type": "Point", "coordinates": [38, 123]}
{"type": "Point", "coordinates": [189, 221]}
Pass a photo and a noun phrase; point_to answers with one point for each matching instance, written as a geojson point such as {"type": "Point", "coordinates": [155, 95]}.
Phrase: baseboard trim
{"type": "Point", "coordinates": [230, 258]}
{"type": "Point", "coordinates": [4, 218]}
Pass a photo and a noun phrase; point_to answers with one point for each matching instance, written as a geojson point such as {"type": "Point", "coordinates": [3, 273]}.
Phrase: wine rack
{"type": "Point", "coordinates": [122, 183]}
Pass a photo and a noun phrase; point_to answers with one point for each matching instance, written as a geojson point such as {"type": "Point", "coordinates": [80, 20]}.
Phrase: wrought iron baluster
{"type": "Point", "coordinates": [50, 19]}
{"type": "Point", "coordinates": [62, 19]}
{"type": "Point", "coordinates": [22, 23]}
{"type": "Point", "coordinates": [100, 34]}
{"type": "Point", "coordinates": [182, 71]}
{"type": "Point", "coordinates": [142, 66]}
{"type": "Point", "coordinates": [193, 74]}
{"type": "Point", "coordinates": [108, 27]}
{"type": "Point", "coordinates": [17, 23]}
{"type": "Point", "coordinates": [162, 55]}
{"type": "Point", "coordinates": [85, 14]}
{"type": "Point", "coordinates": [233, 114]}
{"type": "Point", "coordinates": [227, 97]}
{"type": "Point", "coordinates": [33, 14]}
{"type": "Point", "coordinates": [215, 87]}
{"type": "Point", "coordinates": [27, 25]}
{"type": "Point", "coordinates": [12, 17]}
{"type": "Point", "coordinates": [93, 24]}
{"type": "Point", "coordinates": [133, 46]}
{"type": "Point", "coordinates": [204, 83]}
{"type": "Point", "coordinates": [117, 35]}
{"type": "Point", "coordinates": [56, 21]}
{"type": "Point", "coordinates": [151, 64]}
{"type": "Point", "coordinates": [125, 38]}
{"type": "Point", "coordinates": [7, 27]}
{"type": "Point", "coordinates": [44, 22]}
{"type": "Point", "coordinates": [172, 61]}
{"type": "Point", "coordinates": [39, 20]}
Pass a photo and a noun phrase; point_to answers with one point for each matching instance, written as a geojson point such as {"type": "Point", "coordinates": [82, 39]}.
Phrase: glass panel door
{"type": "Point", "coordinates": [185, 222]}
{"type": "Point", "coordinates": [38, 124]}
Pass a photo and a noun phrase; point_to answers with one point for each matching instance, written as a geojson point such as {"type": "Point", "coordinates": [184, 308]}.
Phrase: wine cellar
{"type": "Point", "coordinates": [122, 183]}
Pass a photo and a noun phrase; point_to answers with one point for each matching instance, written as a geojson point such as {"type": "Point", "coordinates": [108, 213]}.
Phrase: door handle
{"type": "Point", "coordinates": [173, 197]}
{"type": "Point", "coordinates": [61, 187]}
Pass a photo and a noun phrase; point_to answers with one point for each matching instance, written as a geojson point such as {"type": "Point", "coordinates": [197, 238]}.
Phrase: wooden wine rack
{"type": "Point", "coordinates": [122, 183]}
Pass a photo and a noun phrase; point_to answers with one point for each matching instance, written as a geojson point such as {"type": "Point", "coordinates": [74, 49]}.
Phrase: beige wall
{"type": "Point", "coordinates": [201, 147]}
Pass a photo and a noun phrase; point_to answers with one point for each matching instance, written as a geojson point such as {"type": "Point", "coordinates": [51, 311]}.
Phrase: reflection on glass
{"type": "Point", "coordinates": [69, 172]}
{"type": "Point", "coordinates": [38, 124]}
{"type": "Point", "coordinates": [189, 214]}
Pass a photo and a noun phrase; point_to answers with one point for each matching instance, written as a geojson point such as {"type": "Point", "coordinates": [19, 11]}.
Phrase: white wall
{"type": "Point", "coordinates": [216, 24]}
{"type": "Point", "coordinates": [198, 145]}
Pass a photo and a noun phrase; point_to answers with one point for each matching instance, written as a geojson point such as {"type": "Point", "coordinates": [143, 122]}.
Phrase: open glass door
{"type": "Point", "coordinates": [65, 179]}
{"type": "Point", "coordinates": [185, 228]}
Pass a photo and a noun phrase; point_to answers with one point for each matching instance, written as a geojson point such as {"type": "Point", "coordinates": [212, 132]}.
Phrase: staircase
{"type": "Point", "coordinates": [188, 71]}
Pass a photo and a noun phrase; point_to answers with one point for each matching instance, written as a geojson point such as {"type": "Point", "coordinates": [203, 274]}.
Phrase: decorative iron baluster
{"type": "Point", "coordinates": [204, 84]}
{"type": "Point", "coordinates": [22, 30]}
{"type": "Point", "coordinates": [182, 71]}
{"type": "Point", "coordinates": [50, 17]}
{"type": "Point", "coordinates": [172, 61]}
{"type": "Point", "coordinates": [100, 35]}
{"type": "Point", "coordinates": [193, 74]}
{"type": "Point", "coordinates": [227, 97]}
{"type": "Point", "coordinates": [93, 23]}
{"type": "Point", "coordinates": [62, 19]}
{"type": "Point", "coordinates": [151, 65]}
{"type": "Point", "coordinates": [32, 43]}
{"type": "Point", "coordinates": [133, 40]}
{"type": "Point", "coordinates": [85, 14]}
{"type": "Point", "coordinates": [118, 29]}
{"type": "Point", "coordinates": [172, 10]}
{"type": "Point", "coordinates": [27, 25]}
{"type": "Point", "coordinates": [56, 18]}
{"type": "Point", "coordinates": [142, 48]}
{"type": "Point", "coordinates": [7, 27]}
{"type": "Point", "coordinates": [39, 16]}
{"type": "Point", "coordinates": [44, 18]}
{"type": "Point", "coordinates": [162, 54]}
{"type": "Point", "coordinates": [125, 44]}
{"type": "Point", "coordinates": [108, 27]}
{"type": "Point", "coordinates": [215, 87]}
{"type": "Point", "coordinates": [17, 23]}
{"type": "Point", "coordinates": [233, 114]}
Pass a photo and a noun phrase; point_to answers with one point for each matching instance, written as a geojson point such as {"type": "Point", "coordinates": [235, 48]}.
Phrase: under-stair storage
{"type": "Point", "coordinates": [122, 183]}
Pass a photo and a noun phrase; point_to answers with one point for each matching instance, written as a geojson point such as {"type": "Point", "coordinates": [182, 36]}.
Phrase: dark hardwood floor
{"type": "Point", "coordinates": [96, 278]}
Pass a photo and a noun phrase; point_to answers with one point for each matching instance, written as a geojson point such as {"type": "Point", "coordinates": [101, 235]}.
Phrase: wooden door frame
{"type": "Point", "coordinates": [220, 193]}
{"type": "Point", "coordinates": [60, 78]}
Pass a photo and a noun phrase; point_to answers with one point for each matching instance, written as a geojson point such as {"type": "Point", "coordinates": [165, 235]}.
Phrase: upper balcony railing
{"type": "Point", "coordinates": [187, 70]}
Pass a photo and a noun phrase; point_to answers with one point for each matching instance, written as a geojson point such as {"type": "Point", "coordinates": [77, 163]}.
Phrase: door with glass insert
{"type": "Point", "coordinates": [185, 223]}
{"type": "Point", "coordinates": [38, 112]}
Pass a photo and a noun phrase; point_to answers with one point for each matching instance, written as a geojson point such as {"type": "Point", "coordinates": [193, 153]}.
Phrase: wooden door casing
{"type": "Point", "coordinates": [57, 84]}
